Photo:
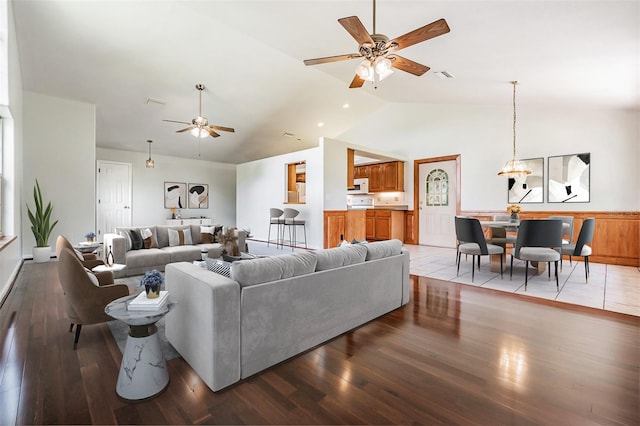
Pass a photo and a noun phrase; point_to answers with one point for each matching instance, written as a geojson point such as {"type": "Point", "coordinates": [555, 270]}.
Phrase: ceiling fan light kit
{"type": "Point", "coordinates": [514, 168]}
{"type": "Point", "coordinates": [199, 126]}
{"type": "Point", "coordinates": [379, 52]}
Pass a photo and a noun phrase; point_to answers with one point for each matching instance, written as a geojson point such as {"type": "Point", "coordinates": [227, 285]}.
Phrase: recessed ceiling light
{"type": "Point", "coordinates": [320, 124]}
{"type": "Point", "coordinates": [345, 106]}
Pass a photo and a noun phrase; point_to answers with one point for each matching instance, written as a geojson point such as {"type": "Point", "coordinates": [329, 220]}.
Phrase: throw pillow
{"type": "Point", "coordinates": [127, 239]}
{"type": "Point", "coordinates": [218, 266]}
{"type": "Point", "coordinates": [147, 238]}
{"type": "Point", "coordinates": [136, 239]}
{"type": "Point", "coordinates": [206, 234]}
{"type": "Point", "coordinates": [179, 237]}
{"type": "Point", "coordinates": [92, 278]}
{"type": "Point", "coordinates": [216, 231]}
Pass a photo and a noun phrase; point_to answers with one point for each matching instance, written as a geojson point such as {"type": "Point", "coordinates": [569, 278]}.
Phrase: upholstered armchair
{"type": "Point", "coordinates": [84, 298]}
{"type": "Point", "coordinates": [88, 260]}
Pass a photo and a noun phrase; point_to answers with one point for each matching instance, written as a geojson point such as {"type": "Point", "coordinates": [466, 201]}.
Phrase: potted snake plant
{"type": "Point", "coordinates": [41, 225]}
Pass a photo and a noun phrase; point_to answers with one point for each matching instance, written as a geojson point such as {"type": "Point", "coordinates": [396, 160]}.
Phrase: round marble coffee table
{"type": "Point", "coordinates": [143, 371]}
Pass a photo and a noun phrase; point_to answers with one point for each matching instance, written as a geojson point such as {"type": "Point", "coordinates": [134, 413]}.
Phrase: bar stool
{"type": "Point", "coordinates": [275, 218]}
{"type": "Point", "coordinates": [290, 221]}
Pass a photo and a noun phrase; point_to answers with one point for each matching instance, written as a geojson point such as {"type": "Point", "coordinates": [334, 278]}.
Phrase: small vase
{"type": "Point", "coordinates": [89, 239]}
{"type": "Point", "coordinates": [152, 292]}
{"type": "Point", "coordinates": [514, 217]}
{"type": "Point", "coordinates": [109, 260]}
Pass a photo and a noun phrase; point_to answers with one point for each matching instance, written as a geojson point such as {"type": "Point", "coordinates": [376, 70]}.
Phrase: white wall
{"type": "Point", "coordinates": [262, 185]}
{"type": "Point", "coordinates": [483, 136]}
{"type": "Point", "coordinates": [59, 151]}
{"type": "Point", "coordinates": [10, 106]}
{"type": "Point", "coordinates": [148, 186]}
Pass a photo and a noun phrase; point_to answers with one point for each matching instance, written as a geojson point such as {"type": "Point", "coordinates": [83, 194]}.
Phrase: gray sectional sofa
{"type": "Point", "coordinates": [271, 309]}
{"type": "Point", "coordinates": [160, 253]}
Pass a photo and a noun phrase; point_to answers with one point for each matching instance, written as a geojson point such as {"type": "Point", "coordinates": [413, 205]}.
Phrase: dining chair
{"type": "Point", "coordinates": [509, 236]}
{"type": "Point", "coordinates": [538, 241]}
{"type": "Point", "coordinates": [472, 241]}
{"type": "Point", "coordinates": [275, 218]}
{"type": "Point", "coordinates": [567, 228]}
{"type": "Point", "coordinates": [580, 248]}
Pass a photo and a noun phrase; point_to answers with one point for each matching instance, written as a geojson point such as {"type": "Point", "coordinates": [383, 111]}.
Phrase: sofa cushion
{"type": "Point", "coordinates": [340, 256]}
{"type": "Point", "coordinates": [179, 237]}
{"type": "Point", "coordinates": [183, 253]}
{"type": "Point", "coordinates": [261, 270]}
{"type": "Point", "coordinates": [380, 249]}
{"type": "Point", "coordinates": [144, 258]}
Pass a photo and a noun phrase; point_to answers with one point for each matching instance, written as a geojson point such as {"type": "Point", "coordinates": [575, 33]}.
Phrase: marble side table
{"type": "Point", "coordinates": [143, 371]}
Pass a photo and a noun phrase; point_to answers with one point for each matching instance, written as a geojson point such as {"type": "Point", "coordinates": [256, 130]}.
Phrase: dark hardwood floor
{"type": "Point", "coordinates": [455, 354]}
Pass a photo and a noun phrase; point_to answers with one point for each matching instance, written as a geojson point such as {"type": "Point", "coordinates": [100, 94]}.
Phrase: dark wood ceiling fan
{"type": "Point", "coordinates": [200, 126]}
{"type": "Point", "coordinates": [379, 52]}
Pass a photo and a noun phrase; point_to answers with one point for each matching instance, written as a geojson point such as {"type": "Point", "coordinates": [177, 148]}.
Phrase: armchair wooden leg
{"type": "Point", "coordinates": [75, 341]}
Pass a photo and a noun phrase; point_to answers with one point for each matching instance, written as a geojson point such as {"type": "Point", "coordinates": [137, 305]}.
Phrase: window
{"type": "Point", "coordinates": [296, 183]}
{"type": "Point", "coordinates": [437, 188]}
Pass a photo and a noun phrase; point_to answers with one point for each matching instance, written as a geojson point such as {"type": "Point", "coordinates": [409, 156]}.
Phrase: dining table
{"type": "Point", "coordinates": [498, 229]}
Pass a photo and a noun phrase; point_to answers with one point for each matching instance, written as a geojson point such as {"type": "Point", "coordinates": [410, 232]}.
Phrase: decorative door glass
{"type": "Point", "coordinates": [437, 188]}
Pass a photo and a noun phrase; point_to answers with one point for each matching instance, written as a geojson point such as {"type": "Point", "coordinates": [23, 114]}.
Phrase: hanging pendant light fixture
{"type": "Point", "coordinates": [150, 163]}
{"type": "Point", "coordinates": [514, 167]}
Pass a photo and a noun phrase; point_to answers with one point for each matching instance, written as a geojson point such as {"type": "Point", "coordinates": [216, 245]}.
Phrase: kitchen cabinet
{"type": "Point", "coordinates": [350, 167]}
{"type": "Point", "coordinates": [348, 224]}
{"type": "Point", "coordinates": [385, 224]}
{"type": "Point", "coordinates": [361, 172]}
{"type": "Point", "coordinates": [385, 177]}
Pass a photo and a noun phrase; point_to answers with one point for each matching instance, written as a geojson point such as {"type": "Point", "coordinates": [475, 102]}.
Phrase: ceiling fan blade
{"type": "Point", "coordinates": [427, 32]}
{"type": "Point", "coordinates": [354, 26]}
{"type": "Point", "coordinates": [184, 130]}
{"type": "Point", "coordinates": [224, 129]}
{"type": "Point", "coordinates": [211, 132]}
{"type": "Point", "coordinates": [174, 121]}
{"type": "Point", "coordinates": [356, 82]}
{"type": "Point", "coordinates": [336, 58]}
{"type": "Point", "coordinates": [408, 65]}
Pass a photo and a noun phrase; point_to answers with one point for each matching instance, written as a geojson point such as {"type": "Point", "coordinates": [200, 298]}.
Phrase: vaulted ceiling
{"type": "Point", "coordinates": [139, 62]}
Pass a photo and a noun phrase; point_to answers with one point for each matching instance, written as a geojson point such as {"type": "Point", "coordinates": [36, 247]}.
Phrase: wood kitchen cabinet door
{"type": "Point", "coordinates": [361, 172]}
{"type": "Point", "coordinates": [370, 225]}
{"type": "Point", "coordinates": [393, 176]}
{"type": "Point", "coordinates": [383, 224]}
{"type": "Point", "coordinates": [334, 227]}
{"type": "Point", "coordinates": [375, 178]}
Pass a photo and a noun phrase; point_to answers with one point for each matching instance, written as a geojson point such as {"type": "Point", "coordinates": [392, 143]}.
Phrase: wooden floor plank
{"type": "Point", "coordinates": [455, 354]}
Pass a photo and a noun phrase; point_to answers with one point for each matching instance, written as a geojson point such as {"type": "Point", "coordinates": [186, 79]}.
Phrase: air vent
{"type": "Point", "coordinates": [444, 74]}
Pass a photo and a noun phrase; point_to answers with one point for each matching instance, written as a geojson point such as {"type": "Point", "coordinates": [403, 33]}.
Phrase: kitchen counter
{"type": "Point", "coordinates": [391, 207]}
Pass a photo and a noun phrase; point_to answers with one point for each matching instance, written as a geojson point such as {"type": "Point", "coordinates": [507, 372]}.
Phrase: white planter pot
{"type": "Point", "coordinates": [41, 254]}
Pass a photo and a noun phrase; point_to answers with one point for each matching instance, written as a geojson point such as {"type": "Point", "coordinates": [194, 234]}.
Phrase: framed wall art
{"type": "Point", "coordinates": [528, 188]}
{"type": "Point", "coordinates": [569, 178]}
{"type": "Point", "coordinates": [198, 196]}
{"type": "Point", "coordinates": [175, 195]}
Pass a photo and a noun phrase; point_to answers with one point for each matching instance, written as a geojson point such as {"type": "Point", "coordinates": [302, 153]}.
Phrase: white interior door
{"type": "Point", "coordinates": [437, 198]}
{"type": "Point", "coordinates": [114, 196]}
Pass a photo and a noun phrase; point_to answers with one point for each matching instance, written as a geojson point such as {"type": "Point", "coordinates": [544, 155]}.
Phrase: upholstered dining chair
{"type": "Point", "coordinates": [88, 260]}
{"type": "Point", "coordinates": [538, 241]}
{"type": "Point", "coordinates": [509, 236]}
{"type": "Point", "coordinates": [580, 247]}
{"type": "Point", "coordinates": [567, 228]}
{"type": "Point", "coordinates": [275, 218]}
{"type": "Point", "coordinates": [84, 298]}
{"type": "Point", "coordinates": [472, 241]}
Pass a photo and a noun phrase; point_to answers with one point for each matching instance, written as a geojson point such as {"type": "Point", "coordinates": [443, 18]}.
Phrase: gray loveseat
{"type": "Point", "coordinates": [273, 308]}
{"type": "Point", "coordinates": [161, 253]}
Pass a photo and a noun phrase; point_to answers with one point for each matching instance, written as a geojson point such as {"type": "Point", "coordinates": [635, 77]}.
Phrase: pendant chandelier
{"type": "Point", "coordinates": [150, 163]}
{"type": "Point", "coordinates": [514, 167]}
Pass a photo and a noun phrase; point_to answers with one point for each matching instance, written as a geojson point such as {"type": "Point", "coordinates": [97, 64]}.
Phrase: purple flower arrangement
{"type": "Point", "coordinates": [152, 280]}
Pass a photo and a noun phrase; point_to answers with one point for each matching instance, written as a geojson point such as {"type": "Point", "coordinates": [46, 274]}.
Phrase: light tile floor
{"type": "Point", "coordinates": [610, 287]}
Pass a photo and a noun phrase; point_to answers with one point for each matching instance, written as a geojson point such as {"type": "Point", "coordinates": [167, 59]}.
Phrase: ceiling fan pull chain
{"type": "Point", "coordinates": [374, 16]}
